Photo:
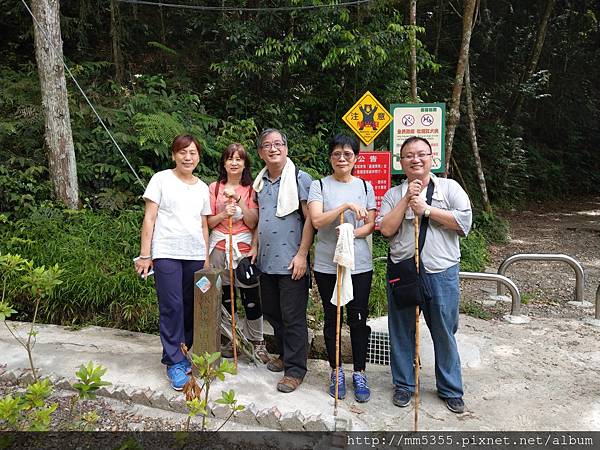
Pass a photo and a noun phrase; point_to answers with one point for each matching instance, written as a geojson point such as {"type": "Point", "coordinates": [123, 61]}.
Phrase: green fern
{"type": "Point", "coordinates": [157, 131]}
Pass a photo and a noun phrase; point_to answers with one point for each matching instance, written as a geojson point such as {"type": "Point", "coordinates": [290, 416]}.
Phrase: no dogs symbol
{"type": "Point", "coordinates": [427, 120]}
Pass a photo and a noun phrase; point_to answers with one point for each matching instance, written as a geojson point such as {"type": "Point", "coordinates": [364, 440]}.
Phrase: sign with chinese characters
{"type": "Point", "coordinates": [426, 120]}
{"type": "Point", "coordinates": [374, 167]}
{"type": "Point", "coordinates": [367, 118]}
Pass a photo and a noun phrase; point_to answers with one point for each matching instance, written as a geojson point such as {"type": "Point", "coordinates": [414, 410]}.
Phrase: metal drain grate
{"type": "Point", "coordinates": [378, 350]}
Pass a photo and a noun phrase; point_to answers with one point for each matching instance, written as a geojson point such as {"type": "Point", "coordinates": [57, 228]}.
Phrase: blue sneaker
{"type": "Point", "coordinates": [362, 393]}
{"type": "Point", "coordinates": [341, 384]}
{"type": "Point", "coordinates": [187, 365]}
{"type": "Point", "coordinates": [177, 376]}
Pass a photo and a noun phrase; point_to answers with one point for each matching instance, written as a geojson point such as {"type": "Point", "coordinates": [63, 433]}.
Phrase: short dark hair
{"type": "Point", "coordinates": [231, 150]}
{"type": "Point", "coordinates": [267, 131]}
{"type": "Point", "coordinates": [412, 139]}
{"type": "Point", "coordinates": [182, 141]}
{"type": "Point", "coordinates": [342, 140]}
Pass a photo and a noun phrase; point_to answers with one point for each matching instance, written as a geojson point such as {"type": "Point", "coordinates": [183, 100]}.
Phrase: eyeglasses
{"type": "Point", "coordinates": [410, 156]}
{"type": "Point", "coordinates": [348, 156]}
{"type": "Point", "coordinates": [276, 145]}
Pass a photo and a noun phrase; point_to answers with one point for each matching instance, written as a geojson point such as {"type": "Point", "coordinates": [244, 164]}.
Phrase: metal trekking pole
{"type": "Point", "coordinates": [417, 328]}
{"type": "Point", "coordinates": [232, 290]}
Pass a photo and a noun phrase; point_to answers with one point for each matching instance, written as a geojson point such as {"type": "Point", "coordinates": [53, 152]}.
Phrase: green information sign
{"type": "Point", "coordinates": [426, 120]}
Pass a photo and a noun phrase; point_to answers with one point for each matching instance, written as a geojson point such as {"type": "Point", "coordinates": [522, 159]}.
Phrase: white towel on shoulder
{"type": "Point", "coordinates": [287, 199]}
{"type": "Point", "coordinates": [344, 257]}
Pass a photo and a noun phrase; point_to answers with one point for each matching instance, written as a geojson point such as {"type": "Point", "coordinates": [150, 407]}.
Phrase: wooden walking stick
{"type": "Point", "coordinates": [337, 330]}
{"type": "Point", "coordinates": [232, 290]}
{"type": "Point", "coordinates": [417, 329]}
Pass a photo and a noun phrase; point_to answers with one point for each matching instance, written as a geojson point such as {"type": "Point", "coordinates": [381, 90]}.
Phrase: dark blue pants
{"type": "Point", "coordinates": [284, 303]}
{"type": "Point", "coordinates": [175, 290]}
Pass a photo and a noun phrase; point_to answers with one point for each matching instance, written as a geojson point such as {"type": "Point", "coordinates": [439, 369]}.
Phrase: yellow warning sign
{"type": "Point", "coordinates": [367, 118]}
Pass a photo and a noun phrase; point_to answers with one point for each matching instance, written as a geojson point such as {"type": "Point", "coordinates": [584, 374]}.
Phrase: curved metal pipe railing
{"type": "Point", "coordinates": [500, 279]}
{"type": "Point", "coordinates": [577, 267]}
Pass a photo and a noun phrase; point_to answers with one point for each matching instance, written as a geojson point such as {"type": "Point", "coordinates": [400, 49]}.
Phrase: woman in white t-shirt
{"type": "Point", "coordinates": [336, 194]}
{"type": "Point", "coordinates": [174, 242]}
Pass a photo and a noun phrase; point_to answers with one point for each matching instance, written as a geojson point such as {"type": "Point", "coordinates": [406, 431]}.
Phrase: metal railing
{"type": "Point", "coordinates": [579, 274]}
{"type": "Point", "coordinates": [500, 279]}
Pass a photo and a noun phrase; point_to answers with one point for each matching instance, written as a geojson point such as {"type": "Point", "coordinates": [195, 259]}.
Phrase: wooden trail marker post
{"type": "Point", "coordinates": [207, 311]}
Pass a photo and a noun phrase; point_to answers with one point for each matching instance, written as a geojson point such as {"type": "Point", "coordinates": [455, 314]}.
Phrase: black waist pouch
{"type": "Point", "coordinates": [406, 286]}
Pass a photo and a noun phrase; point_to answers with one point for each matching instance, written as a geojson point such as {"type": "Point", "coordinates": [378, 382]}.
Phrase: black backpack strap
{"type": "Point", "coordinates": [425, 220]}
{"type": "Point", "coordinates": [365, 185]}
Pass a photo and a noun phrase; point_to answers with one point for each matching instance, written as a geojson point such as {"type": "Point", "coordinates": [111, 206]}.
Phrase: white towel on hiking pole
{"type": "Point", "coordinates": [344, 257]}
{"type": "Point", "coordinates": [287, 199]}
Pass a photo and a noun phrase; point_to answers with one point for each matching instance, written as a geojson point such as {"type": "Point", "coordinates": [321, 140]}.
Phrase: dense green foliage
{"type": "Point", "coordinates": [224, 76]}
{"type": "Point", "coordinates": [94, 250]}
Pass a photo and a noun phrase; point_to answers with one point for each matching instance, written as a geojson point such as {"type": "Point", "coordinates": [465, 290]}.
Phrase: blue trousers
{"type": "Point", "coordinates": [441, 316]}
{"type": "Point", "coordinates": [174, 280]}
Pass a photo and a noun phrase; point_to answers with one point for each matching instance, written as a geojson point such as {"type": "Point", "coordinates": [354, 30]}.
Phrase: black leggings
{"type": "Point", "coordinates": [250, 301]}
{"type": "Point", "coordinates": [357, 312]}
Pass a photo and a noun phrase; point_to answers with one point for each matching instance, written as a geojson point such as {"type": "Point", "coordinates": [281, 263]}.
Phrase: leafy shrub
{"type": "Point", "coordinates": [94, 249]}
{"type": "Point", "coordinates": [494, 228]}
{"type": "Point", "coordinates": [378, 296]}
{"type": "Point", "coordinates": [474, 252]}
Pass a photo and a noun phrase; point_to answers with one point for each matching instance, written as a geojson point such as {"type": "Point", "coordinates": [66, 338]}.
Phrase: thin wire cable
{"type": "Point", "coordinates": [233, 8]}
{"type": "Point", "coordinates": [83, 93]}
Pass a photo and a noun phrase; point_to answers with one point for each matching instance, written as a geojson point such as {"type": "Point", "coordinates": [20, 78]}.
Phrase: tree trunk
{"type": "Point", "coordinates": [473, 133]}
{"type": "Point", "coordinates": [413, 50]}
{"type": "Point", "coordinates": [536, 51]}
{"type": "Point", "coordinates": [454, 110]}
{"type": "Point", "coordinates": [58, 136]}
{"type": "Point", "coordinates": [438, 32]}
{"type": "Point", "coordinates": [115, 34]}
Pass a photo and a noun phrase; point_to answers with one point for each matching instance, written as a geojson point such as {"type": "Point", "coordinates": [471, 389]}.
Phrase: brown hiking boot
{"type": "Point", "coordinates": [288, 384]}
{"type": "Point", "coordinates": [260, 351]}
{"type": "Point", "coordinates": [275, 365]}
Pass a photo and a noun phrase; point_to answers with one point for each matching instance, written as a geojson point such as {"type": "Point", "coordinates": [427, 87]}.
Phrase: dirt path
{"type": "Point", "coordinates": [570, 227]}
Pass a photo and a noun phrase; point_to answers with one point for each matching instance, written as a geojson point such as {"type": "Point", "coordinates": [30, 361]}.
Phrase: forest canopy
{"type": "Point", "coordinates": [225, 74]}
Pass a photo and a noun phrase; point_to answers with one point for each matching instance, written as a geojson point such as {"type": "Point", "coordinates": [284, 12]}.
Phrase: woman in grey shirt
{"type": "Point", "coordinates": [328, 199]}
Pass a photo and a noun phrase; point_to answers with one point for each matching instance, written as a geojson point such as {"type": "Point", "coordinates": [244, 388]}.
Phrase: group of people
{"type": "Point", "coordinates": [273, 220]}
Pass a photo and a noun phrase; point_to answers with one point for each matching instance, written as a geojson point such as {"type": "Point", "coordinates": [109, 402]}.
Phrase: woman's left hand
{"type": "Point", "coordinates": [359, 211]}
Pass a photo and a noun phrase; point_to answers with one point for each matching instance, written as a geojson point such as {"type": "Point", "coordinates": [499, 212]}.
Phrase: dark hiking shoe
{"type": "Point", "coordinates": [401, 398]}
{"type": "Point", "coordinates": [456, 405]}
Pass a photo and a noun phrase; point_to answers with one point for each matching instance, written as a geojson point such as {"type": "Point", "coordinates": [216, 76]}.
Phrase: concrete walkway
{"type": "Point", "coordinates": [539, 376]}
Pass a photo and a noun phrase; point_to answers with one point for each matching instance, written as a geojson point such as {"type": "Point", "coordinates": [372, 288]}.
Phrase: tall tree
{"type": "Point", "coordinates": [115, 34]}
{"type": "Point", "coordinates": [58, 135]}
{"type": "Point", "coordinates": [517, 99]}
{"type": "Point", "coordinates": [463, 57]}
{"type": "Point", "coordinates": [473, 135]}
{"type": "Point", "coordinates": [413, 50]}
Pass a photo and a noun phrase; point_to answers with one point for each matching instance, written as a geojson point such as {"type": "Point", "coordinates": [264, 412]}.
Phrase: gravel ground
{"type": "Point", "coordinates": [570, 227]}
